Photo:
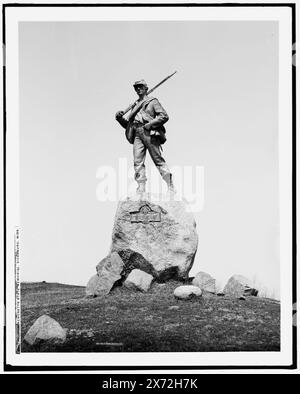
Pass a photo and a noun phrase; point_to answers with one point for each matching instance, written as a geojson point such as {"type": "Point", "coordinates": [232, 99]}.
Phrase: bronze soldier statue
{"type": "Point", "coordinates": [145, 130]}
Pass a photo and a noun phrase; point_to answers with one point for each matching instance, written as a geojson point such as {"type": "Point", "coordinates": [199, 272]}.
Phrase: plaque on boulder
{"type": "Point", "coordinates": [145, 215]}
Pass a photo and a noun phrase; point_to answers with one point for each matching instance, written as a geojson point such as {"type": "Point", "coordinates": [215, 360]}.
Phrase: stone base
{"type": "Point", "coordinates": [161, 230]}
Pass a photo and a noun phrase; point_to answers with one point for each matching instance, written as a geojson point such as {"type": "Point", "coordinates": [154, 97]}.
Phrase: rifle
{"type": "Point", "coordinates": [149, 91]}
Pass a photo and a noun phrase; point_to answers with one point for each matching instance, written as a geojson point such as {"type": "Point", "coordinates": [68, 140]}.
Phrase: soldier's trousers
{"type": "Point", "coordinates": [142, 142]}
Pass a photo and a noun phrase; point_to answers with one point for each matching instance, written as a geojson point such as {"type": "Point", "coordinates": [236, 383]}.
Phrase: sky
{"type": "Point", "coordinates": [223, 109]}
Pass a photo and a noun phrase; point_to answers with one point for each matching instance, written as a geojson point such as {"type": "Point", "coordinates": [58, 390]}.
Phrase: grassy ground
{"type": "Point", "coordinates": [126, 321]}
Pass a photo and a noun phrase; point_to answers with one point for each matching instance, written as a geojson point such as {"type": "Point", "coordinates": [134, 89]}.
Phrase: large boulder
{"type": "Point", "coordinates": [205, 282]}
{"type": "Point", "coordinates": [239, 286]}
{"type": "Point", "coordinates": [160, 230]}
{"type": "Point", "coordinates": [109, 271]}
{"type": "Point", "coordinates": [45, 329]}
{"type": "Point", "coordinates": [187, 292]}
{"type": "Point", "coordinates": [138, 280]}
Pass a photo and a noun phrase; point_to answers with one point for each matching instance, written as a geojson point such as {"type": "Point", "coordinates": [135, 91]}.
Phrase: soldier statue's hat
{"type": "Point", "coordinates": [141, 82]}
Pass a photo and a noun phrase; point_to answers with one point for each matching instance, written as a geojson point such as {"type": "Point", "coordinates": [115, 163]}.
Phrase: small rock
{"type": "Point", "coordinates": [173, 307]}
{"type": "Point", "coordinates": [45, 329]}
{"type": "Point", "coordinates": [187, 292]}
{"type": "Point", "coordinates": [138, 280]}
{"type": "Point", "coordinates": [242, 298]}
{"type": "Point", "coordinates": [205, 282]}
{"type": "Point", "coordinates": [238, 286]}
{"type": "Point", "coordinates": [220, 294]}
{"type": "Point", "coordinates": [92, 287]}
{"type": "Point", "coordinates": [108, 272]}
{"type": "Point", "coordinates": [171, 326]}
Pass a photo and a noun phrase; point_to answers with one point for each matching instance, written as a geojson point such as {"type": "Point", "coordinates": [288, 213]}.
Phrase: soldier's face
{"type": "Point", "coordinates": [141, 90]}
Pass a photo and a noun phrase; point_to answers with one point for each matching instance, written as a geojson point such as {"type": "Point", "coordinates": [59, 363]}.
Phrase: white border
{"type": "Point", "coordinates": [280, 14]}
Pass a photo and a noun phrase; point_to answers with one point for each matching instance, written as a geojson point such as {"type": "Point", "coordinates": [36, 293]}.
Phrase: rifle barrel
{"type": "Point", "coordinates": [160, 83]}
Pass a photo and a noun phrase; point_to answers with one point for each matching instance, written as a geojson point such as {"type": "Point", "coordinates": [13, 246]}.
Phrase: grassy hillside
{"type": "Point", "coordinates": [126, 321]}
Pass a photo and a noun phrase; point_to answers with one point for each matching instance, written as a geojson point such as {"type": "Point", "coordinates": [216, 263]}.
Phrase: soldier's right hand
{"type": "Point", "coordinates": [119, 114]}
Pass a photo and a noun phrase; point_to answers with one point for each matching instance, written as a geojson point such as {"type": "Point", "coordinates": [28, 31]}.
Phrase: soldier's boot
{"type": "Point", "coordinates": [169, 181]}
{"type": "Point", "coordinates": [141, 188]}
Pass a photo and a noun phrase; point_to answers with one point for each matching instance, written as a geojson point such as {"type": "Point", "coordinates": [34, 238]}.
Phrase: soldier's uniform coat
{"type": "Point", "coordinates": [150, 112]}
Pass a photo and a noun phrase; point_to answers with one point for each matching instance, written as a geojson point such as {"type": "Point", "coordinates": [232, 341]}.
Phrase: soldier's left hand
{"type": "Point", "coordinates": [147, 126]}
{"type": "Point", "coordinates": [119, 114]}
